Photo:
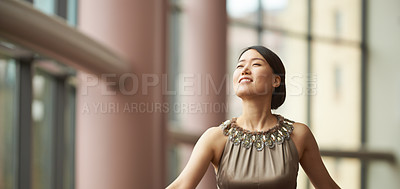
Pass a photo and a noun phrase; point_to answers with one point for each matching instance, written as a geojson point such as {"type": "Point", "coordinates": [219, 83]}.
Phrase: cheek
{"type": "Point", "coordinates": [264, 75]}
{"type": "Point", "coordinates": [264, 81]}
{"type": "Point", "coordinates": [235, 77]}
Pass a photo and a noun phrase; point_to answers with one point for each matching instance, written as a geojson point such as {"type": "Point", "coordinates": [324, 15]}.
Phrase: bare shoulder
{"type": "Point", "coordinates": [213, 136]}
{"type": "Point", "coordinates": [216, 140]}
{"type": "Point", "coordinates": [300, 135]}
{"type": "Point", "coordinates": [301, 130]}
{"type": "Point", "coordinates": [203, 152]}
{"type": "Point", "coordinates": [213, 132]}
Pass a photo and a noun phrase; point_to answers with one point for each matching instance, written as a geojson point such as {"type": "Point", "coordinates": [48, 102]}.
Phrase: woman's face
{"type": "Point", "coordinates": [253, 76]}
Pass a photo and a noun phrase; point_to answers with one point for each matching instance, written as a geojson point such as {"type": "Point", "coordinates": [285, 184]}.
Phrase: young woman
{"type": "Point", "coordinates": [258, 149]}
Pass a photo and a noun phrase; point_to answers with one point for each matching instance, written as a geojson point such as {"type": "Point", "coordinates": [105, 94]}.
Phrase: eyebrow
{"type": "Point", "coordinates": [242, 60]}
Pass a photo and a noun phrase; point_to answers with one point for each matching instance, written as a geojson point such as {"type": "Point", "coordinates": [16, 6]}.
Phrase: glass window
{"type": "Point", "coordinates": [286, 15]}
{"type": "Point", "coordinates": [337, 96]}
{"type": "Point", "coordinates": [337, 19]}
{"type": "Point", "coordinates": [243, 11]}
{"type": "Point", "coordinates": [293, 53]}
{"type": "Point", "coordinates": [46, 6]}
{"type": "Point", "coordinates": [174, 162]}
{"type": "Point", "coordinates": [175, 30]}
{"type": "Point", "coordinates": [69, 158]}
{"type": "Point", "coordinates": [238, 39]}
{"type": "Point", "coordinates": [345, 171]}
{"type": "Point", "coordinates": [44, 107]}
{"type": "Point", "coordinates": [42, 131]}
{"type": "Point", "coordinates": [72, 8]}
{"type": "Point", "coordinates": [8, 123]}
{"type": "Point", "coordinates": [53, 115]}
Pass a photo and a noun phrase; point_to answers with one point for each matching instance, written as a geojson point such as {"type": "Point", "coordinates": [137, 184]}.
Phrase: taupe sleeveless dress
{"type": "Point", "coordinates": [266, 159]}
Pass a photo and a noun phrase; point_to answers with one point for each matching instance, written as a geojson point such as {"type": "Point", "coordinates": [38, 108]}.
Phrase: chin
{"type": "Point", "coordinates": [251, 93]}
{"type": "Point", "coordinates": [244, 93]}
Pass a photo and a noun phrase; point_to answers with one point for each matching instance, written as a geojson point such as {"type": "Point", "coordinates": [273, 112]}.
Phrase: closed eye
{"type": "Point", "coordinates": [256, 64]}
{"type": "Point", "coordinates": [239, 66]}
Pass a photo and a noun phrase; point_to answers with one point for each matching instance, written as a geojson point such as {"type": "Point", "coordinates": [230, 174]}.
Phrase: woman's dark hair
{"type": "Point", "coordinates": [279, 95]}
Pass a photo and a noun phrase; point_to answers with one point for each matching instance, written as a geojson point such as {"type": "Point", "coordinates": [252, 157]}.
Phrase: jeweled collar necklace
{"type": "Point", "coordinates": [247, 139]}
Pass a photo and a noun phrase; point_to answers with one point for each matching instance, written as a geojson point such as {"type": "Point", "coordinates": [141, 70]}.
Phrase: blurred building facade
{"type": "Point", "coordinates": [128, 115]}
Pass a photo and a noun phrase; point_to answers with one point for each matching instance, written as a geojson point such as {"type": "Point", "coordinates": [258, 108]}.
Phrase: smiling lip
{"type": "Point", "coordinates": [245, 79]}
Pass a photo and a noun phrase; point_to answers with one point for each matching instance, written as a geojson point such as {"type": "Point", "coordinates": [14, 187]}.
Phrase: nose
{"type": "Point", "coordinates": [245, 70]}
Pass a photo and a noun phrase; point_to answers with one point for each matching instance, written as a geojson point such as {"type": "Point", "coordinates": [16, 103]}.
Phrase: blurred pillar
{"type": "Point", "coordinates": [204, 60]}
{"type": "Point", "coordinates": [120, 136]}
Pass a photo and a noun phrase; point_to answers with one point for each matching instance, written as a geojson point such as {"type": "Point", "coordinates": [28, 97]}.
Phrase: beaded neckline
{"type": "Point", "coordinates": [273, 136]}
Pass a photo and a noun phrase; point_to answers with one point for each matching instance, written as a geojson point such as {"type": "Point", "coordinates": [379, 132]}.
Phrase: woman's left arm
{"type": "Point", "coordinates": [311, 161]}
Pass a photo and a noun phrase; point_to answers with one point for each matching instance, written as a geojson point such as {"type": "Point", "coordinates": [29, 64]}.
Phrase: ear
{"type": "Point", "coordinates": [277, 81]}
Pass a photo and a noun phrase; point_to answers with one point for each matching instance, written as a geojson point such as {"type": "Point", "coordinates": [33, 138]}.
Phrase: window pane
{"type": "Point", "coordinates": [72, 12]}
{"type": "Point", "coordinates": [345, 171]}
{"type": "Point", "coordinates": [46, 6]}
{"type": "Point", "coordinates": [381, 173]}
{"type": "Point", "coordinates": [8, 123]}
{"type": "Point", "coordinates": [69, 158]}
{"type": "Point", "coordinates": [337, 19]}
{"type": "Point", "coordinates": [293, 53]}
{"type": "Point", "coordinates": [336, 98]}
{"type": "Point", "coordinates": [238, 39]}
{"type": "Point", "coordinates": [175, 42]}
{"type": "Point", "coordinates": [173, 162]}
{"type": "Point", "coordinates": [243, 11]}
{"type": "Point", "coordinates": [42, 116]}
{"type": "Point", "coordinates": [286, 14]}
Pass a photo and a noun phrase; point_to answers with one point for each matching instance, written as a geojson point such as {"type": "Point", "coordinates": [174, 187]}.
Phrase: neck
{"type": "Point", "coordinates": [257, 114]}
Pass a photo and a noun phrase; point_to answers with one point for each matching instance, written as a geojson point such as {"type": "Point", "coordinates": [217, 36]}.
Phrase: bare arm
{"type": "Point", "coordinates": [311, 160]}
{"type": "Point", "coordinates": [198, 163]}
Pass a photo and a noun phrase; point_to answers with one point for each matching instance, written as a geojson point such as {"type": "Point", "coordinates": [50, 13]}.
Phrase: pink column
{"type": "Point", "coordinates": [204, 55]}
{"type": "Point", "coordinates": [117, 148]}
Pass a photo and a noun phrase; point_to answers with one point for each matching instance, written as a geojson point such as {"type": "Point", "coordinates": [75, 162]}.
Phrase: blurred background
{"type": "Point", "coordinates": [114, 94]}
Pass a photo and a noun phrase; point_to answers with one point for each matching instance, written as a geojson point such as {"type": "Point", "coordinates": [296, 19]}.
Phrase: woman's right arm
{"type": "Point", "coordinates": [199, 161]}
